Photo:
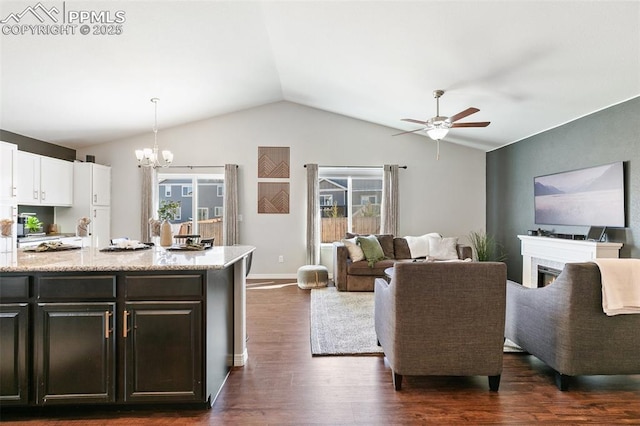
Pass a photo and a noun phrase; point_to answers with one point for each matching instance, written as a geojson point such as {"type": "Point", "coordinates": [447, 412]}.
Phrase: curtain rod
{"type": "Point", "coordinates": [358, 167]}
{"type": "Point", "coordinates": [195, 167]}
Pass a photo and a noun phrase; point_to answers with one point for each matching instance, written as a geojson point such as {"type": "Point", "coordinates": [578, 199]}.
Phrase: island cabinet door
{"type": "Point", "coordinates": [163, 351]}
{"type": "Point", "coordinates": [75, 353]}
{"type": "Point", "coordinates": [14, 388]}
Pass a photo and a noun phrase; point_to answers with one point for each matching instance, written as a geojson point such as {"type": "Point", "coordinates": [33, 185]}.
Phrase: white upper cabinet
{"type": "Point", "coordinates": [101, 185]}
{"type": "Point", "coordinates": [28, 178]}
{"type": "Point", "coordinates": [44, 181]}
{"type": "Point", "coordinates": [56, 182]}
{"type": "Point", "coordinates": [8, 173]}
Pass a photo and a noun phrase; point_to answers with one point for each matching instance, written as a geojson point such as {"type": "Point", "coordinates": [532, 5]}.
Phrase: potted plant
{"type": "Point", "coordinates": [33, 224]}
{"type": "Point", "coordinates": [167, 212]}
{"type": "Point", "coordinates": [486, 248]}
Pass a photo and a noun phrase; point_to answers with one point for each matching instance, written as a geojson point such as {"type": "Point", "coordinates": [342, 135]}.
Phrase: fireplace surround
{"type": "Point", "coordinates": [556, 252]}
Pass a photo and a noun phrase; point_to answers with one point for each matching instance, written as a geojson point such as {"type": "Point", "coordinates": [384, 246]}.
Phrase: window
{"type": "Point", "coordinates": [368, 199]}
{"type": "Point", "coordinates": [203, 213]}
{"type": "Point", "coordinates": [220, 191]}
{"type": "Point", "coordinates": [167, 191]}
{"type": "Point", "coordinates": [326, 199]}
{"type": "Point", "coordinates": [198, 198]}
{"type": "Point", "coordinates": [349, 201]}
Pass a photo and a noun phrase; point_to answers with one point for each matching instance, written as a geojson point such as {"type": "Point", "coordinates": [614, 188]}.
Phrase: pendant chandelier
{"type": "Point", "coordinates": [148, 157]}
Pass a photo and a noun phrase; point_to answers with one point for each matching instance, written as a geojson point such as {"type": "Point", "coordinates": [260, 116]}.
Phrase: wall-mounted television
{"type": "Point", "coordinates": [588, 197]}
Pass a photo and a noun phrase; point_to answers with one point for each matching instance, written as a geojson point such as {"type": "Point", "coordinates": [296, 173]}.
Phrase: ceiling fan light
{"type": "Point", "coordinates": [437, 133]}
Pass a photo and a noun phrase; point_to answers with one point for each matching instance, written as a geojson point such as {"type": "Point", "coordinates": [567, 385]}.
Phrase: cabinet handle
{"type": "Point", "coordinates": [35, 194]}
{"type": "Point", "coordinates": [125, 314]}
{"type": "Point", "coordinates": [107, 330]}
{"type": "Point", "coordinates": [95, 198]}
{"type": "Point", "coordinates": [43, 195]}
{"type": "Point", "coordinates": [14, 192]}
{"type": "Point", "coordinates": [95, 213]}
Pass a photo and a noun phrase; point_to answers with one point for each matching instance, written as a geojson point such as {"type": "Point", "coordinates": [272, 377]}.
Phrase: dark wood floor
{"type": "Point", "coordinates": [283, 384]}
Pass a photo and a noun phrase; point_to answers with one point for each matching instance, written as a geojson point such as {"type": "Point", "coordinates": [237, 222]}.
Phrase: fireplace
{"type": "Point", "coordinates": [547, 275]}
{"type": "Point", "coordinates": [556, 252]}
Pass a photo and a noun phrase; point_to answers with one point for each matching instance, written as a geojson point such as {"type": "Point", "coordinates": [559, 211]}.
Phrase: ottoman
{"type": "Point", "coordinates": [312, 276]}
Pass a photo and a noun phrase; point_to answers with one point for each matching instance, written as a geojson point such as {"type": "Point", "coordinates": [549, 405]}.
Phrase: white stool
{"type": "Point", "coordinates": [312, 276]}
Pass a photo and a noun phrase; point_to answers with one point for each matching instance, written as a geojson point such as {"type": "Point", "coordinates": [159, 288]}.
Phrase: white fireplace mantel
{"type": "Point", "coordinates": [558, 251]}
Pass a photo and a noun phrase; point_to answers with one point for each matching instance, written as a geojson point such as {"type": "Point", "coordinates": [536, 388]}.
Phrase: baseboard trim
{"type": "Point", "coordinates": [272, 277]}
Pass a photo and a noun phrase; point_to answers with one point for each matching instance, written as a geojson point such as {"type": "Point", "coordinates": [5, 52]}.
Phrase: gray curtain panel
{"type": "Point", "coordinates": [313, 215]}
{"type": "Point", "coordinates": [230, 209]}
{"type": "Point", "coordinates": [389, 208]}
{"type": "Point", "coordinates": [146, 207]}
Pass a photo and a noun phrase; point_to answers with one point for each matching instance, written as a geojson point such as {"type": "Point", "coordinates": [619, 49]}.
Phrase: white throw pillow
{"type": "Point", "coordinates": [443, 248]}
{"type": "Point", "coordinates": [355, 251]}
{"type": "Point", "coordinates": [419, 246]}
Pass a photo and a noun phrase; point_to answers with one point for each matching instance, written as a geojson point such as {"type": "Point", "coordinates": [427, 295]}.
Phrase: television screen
{"type": "Point", "coordinates": [588, 197]}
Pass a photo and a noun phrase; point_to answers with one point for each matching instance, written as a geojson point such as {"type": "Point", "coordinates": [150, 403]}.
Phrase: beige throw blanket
{"type": "Point", "coordinates": [620, 285]}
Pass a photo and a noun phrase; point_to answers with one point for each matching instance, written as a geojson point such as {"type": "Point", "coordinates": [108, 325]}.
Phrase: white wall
{"type": "Point", "coordinates": [446, 196]}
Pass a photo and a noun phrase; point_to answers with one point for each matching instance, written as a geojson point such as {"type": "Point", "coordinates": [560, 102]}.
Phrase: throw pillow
{"type": "Point", "coordinates": [443, 248]}
{"type": "Point", "coordinates": [355, 252]}
{"type": "Point", "coordinates": [371, 248]}
{"type": "Point", "coordinates": [419, 246]}
{"type": "Point", "coordinates": [385, 240]}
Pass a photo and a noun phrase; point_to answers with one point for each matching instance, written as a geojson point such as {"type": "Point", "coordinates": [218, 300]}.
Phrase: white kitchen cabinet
{"type": "Point", "coordinates": [101, 184]}
{"type": "Point", "coordinates": [44, 181]}
{"type": "Point", "coordinates": [8, 172]}
{"type": "Point", "coordinates": [92, 198]}
{"type": "Point", "coordinates": [8, 193]}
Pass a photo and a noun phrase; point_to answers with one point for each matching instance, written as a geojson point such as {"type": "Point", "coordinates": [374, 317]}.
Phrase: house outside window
{"type": "Point", "coordinates": [349, 201]}
{"type": "Point", "coordinates": [167, 191]}
{"type": "Point", "coordinates": [199, 196]}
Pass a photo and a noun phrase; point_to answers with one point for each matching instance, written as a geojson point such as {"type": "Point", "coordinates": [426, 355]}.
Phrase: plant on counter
{"type": "Point", "coordinates": [168, 210]}
{"type": "Point", "coordinates": [33, 224]}
{"type": "Point", "coordinates": [486, 248]}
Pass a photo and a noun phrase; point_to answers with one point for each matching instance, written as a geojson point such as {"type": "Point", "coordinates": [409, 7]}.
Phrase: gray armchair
{"type": "Point", "coordinates": [564, 325]}
{"type": "Point", "coordinates": [442, 319]}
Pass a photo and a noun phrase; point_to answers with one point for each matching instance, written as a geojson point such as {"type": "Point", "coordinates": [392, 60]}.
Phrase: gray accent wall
{"type": "Point", "coordinates": [606, 136]}
{"type": "Point", "coordinates": [36, 146]}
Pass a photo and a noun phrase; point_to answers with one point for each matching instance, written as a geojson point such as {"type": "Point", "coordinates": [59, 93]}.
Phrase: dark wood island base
{"type": "Point", "coordinates": [130, 336]}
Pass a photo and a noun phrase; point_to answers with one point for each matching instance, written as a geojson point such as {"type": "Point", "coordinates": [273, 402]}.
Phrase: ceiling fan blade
{"type": "Point", "coordinates": [413, 120]}
{"type": "Point", "coordinates": [404, 133]}
{"type": "Point", "coordinates": [472, 124]}
{"type": "Point", "coordinates": [463, 114]}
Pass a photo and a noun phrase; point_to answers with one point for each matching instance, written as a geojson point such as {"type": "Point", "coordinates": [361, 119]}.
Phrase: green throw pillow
{"type": "Point", "coordinates": [371, 248]}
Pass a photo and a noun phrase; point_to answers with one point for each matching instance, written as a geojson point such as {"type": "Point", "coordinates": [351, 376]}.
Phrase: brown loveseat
{"type": "Point", "coordinates": [359, 276]}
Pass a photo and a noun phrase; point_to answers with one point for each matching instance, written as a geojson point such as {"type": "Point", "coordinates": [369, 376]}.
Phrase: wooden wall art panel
{"type": "Point", "coordinates": [273, 197]}
{"type": "Point", "coordinates": [273, 162]}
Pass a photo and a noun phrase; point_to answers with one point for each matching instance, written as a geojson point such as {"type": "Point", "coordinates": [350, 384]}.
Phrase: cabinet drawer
{"type": "Point", "coordinates": [14, 287]}
{"type": "Point", "coordinates": [77, 287]}
{"type": "Point", "coordinates": [151, 286]}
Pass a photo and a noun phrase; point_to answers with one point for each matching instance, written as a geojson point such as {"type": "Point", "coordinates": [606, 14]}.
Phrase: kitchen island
{"type": "Point", "coordinates": [134, 327]}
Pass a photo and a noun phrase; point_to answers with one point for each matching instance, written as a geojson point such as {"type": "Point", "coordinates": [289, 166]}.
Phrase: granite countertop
{"type": "Point", "coordinates": [92, 259]}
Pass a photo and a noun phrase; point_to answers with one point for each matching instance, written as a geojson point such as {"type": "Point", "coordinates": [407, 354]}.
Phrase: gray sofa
{"type": "Point", "coordinates": [443, 319]}
{"type": "Point", "coordinates": [564, 325]}
{"type": "Point", "coordinates": [359, 276]}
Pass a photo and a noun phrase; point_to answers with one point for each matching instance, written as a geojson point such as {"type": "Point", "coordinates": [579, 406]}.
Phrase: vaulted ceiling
{"type": "Point", "coordinates": [528, 66]}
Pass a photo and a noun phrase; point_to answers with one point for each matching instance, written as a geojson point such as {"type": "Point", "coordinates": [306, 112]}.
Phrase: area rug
{"type": "Point", "coordinates": [342, 324]}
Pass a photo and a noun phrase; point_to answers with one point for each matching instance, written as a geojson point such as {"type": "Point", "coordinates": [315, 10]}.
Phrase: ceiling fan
{"type": "Point", "coordinates": [437, 127]}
